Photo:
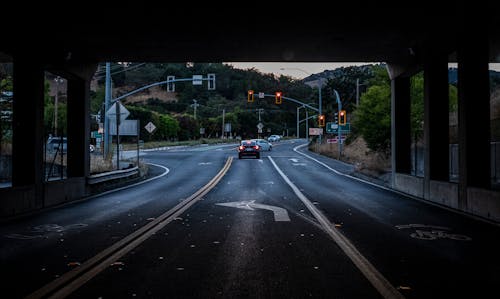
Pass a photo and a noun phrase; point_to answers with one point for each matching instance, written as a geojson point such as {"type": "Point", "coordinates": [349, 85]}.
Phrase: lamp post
{"type": "Point", "coordinates": [357, 90]}
{"type": "Point", "coordinates": [298, 120]}
{"type": "Point", "coordinates": [320, 85]}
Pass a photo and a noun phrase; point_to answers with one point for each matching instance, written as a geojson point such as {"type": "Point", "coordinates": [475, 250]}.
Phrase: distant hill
{"type": "Point", "coordinates": [453, 77]}
{"type": "Point", "coordinates": [314, 79]}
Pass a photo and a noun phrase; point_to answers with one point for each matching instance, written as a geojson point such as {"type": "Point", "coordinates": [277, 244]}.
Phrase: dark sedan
{"type": "Point", "coordinates": [248, 148]}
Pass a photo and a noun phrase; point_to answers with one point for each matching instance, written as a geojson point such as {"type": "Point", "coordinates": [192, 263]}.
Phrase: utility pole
{"type": "Point", "coordinates": [319, 112]}
{"type": "Point", "coordinates": [357, 92]}
{"type": "Point", "coordinates": [298, 119]}
{"type": "Point", "coordinates": [118, 120]}
{"type": "Point", "coordinates": [107, 101]}
{"type": "Point", "coordinates": [223, 116]}
{"type": "Point", "coordinates": [307, 125]}
{"type": "Point", "coordinates": [194, 106]}
{"type": "Point", "coordinates": [339, 134]}
{"type": "Point", "coordinates": [259, 132]}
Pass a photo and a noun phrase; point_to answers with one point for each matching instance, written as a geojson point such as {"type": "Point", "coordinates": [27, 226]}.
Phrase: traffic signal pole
{"type": "Point", "coordinates": [319, 108]}
{"type": "Point", "coordinates": [339, 131]}
{"type": "Point", "coordinates": [304, 105]}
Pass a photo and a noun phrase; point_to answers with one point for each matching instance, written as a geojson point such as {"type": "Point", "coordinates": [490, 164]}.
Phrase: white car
{"type": "Point", "coordinates": [274, 138]}
{"type": "Point", "coordinates": [264, 145]}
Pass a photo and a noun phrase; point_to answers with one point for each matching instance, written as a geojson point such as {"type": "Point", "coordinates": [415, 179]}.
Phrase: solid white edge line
{"type": "Point", "coordinates": [435, 204]}
{"type": "Point", "coordinates": [381, 284]}
{"type": "Point", "coordinates": [338, 172]}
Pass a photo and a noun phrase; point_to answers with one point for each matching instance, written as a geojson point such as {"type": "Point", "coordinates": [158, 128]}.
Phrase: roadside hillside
{"type": "Point", "coordinates": [155, 92]}
{"type": "Point", "coordinates": [370, 163]}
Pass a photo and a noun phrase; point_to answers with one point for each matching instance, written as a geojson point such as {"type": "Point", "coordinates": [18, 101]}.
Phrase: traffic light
{"type": "Point", "coordinates": [211, 81]}
{"type": "Point", "coordinates": [342, 117]}
{"type": "Point", "coordinates": [170, 84]}
{"type": "Point", "coordinates": [250, 96]}
{"type": "Point", "coordinates": [278, 96]}
{"type": "Point", "coordinates": [336, 120]}
{"type": "Point", "coordinates": [321, 120]}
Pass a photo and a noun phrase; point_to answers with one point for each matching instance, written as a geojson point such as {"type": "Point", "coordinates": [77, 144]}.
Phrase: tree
{"type": "Point", "coordinates": [373, 117]}
{"type": "Point", "coordinates": [168, 127]}
{"type": "Point", "coordinates": [188, 127]}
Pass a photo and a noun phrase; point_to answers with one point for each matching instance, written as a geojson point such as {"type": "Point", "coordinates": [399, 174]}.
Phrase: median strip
{"type": "Point", "coordinates": [72, 280]}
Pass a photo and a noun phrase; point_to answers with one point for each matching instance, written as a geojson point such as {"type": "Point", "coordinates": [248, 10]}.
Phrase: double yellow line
{"type": "Point", "coordinates": [72, 280]}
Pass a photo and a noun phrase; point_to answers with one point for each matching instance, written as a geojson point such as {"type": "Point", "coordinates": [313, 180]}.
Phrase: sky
{"type": "Point", "coordinates": [301, 70]}
{"type": "Point", "coordinates": [297, 70]}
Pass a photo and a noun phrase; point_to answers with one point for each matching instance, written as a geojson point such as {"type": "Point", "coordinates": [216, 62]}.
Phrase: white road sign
{"type": "Point", "coordinates": [150, 127]}
{"type": "Point", "coordinates": [315, 131]}
{"type": "Point", "coordinates": [111, 113]}
{"type": "Point", "coordinates": [260, 126]}
{"type": "Point", "coordinates": [197, 79]}
{"type": "Point", "coordinates": [261, 95]}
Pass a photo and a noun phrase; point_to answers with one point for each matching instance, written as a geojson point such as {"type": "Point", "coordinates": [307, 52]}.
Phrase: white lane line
{"type": "Point", "coordinates": [376, 278]}
{"type": "Point", "coordinates": [338, 172]}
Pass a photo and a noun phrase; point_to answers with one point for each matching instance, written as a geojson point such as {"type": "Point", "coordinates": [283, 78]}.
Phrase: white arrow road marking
{"type": "Point", "coordinates": [204, 163]}
{"type": "Point", "coordinates": [294, 160]}
{"type": "Point", "coordinates": [299, 164]}
{"type": "Point", "coordinates": [280, 214]}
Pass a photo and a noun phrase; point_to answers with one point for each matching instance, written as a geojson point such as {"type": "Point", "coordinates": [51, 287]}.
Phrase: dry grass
{"type": "Point", "coordinates": [155, 92]}
{"type": "Point", "coordinates": [98, 164]}
{"type": "Point", "coordinates": [357, 153]}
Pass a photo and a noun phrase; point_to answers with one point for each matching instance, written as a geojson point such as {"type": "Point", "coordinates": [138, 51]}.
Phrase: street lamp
{"type": "Point", "coordinates": [357, 90]}
{"type": "Point", "coordinates": [320, 85]}
{"type": "Point", "coordinates": [305, 119]}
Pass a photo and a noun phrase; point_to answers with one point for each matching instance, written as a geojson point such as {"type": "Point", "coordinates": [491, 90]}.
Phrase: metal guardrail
{"type": "Point", "coordinates": [112, 175]}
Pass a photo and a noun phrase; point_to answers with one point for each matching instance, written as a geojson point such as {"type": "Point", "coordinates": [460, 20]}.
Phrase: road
{"type": "Point", "coordinates": [289, 225]}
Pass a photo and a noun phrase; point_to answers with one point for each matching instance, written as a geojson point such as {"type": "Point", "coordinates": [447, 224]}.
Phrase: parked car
{"type": "Point", "coordinates": [274, 138]}
{"type": "Point", "coordinates": [248, 148]}
{"type": "Point", "coordinates": [264, 144]}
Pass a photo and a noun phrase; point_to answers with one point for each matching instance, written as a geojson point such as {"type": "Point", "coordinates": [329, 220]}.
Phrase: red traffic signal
{"type": "Point", "coordinates": [278, 97]}
{"type": "Point", "coordinates": [342, 117]}
{"type": "Point", "coordinates": [250, 96]}
{"type": "Point", "coordinates": [321, 120]}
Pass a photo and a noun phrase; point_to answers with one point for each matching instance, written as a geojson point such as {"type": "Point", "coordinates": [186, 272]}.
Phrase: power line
{"type": "Point", "coordinates": [120, 71]}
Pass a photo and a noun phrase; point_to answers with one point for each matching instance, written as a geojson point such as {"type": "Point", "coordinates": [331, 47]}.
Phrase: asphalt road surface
{"type": "Point", "coordinates": [289, 225]}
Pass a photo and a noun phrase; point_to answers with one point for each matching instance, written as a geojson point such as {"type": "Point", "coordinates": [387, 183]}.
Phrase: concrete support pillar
{"type": "Point", "coordinates": [78, 127]}
{"type": "Point", "coordinates": [28, 134]}
{"type": "Point", "coordinates": [400, 125]}
{"type": "Point", "coordinates": [473, 115]}
{"type": "Point", "coordinates": [436, 118]}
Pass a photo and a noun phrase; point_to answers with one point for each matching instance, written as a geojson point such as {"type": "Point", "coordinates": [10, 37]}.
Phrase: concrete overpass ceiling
{"type": "Point", "coordinates": [143, 31]}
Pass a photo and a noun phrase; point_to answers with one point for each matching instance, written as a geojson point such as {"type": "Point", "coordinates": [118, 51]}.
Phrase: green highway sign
{"type": "Point", "coordinates": [332, 128]}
